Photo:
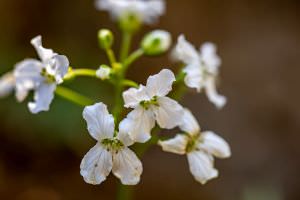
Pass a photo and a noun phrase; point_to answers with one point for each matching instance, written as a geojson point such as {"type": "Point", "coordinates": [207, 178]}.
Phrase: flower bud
{"type": "Point", "coordinates": [156, 42]}
{"type": "Point", "coordinates": [105, 38]}
{"type": "Point", "coordinates": [103, 72]}
{"type": "Point", "coordinates": [130, 22]}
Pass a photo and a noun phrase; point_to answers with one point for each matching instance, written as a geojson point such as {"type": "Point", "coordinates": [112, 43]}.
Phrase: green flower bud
{"type": "Point", "coordinates": [129, 22]}
{"type": "Point", "coordinates": [156, 42]}
{"type": "Point", "coordinates": [105, 38]}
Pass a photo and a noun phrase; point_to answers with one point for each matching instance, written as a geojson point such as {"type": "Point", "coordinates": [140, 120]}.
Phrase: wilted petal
{"type": "Point", "coordinates": [127, 166]}
{"type": "Point", "coordinates": [176, 145]}
{"type": "Point", "coordinates": [194, 76]}
{"type": "Point", "coordinates": [132, 97]}
{"type": "Point", "coordinates": [43, 97]}
{"type": "Point", "coordinates": [169, 113]}
{"type": "Point", "coordinates": [189, 123]}
{"type": "Point", "coordinates": [161, 83]}
{"type": "Point", "coordinates": [185, 51]}
{"type": "Point", "coordinates": [44, 54]}
{"type": "Point", "coordinates": [7, 84]}
{"type": "Point", "coordinates": [212, 94]}
{"type": "Point", "coordinates": [58, 67]}
{"type": "Point", "coordinates": [96, 165]}
{"type": "Point", "coordinates": [214, 145]}
{"type": "Point", "coordinates": [27, 76]}
{"type": "Point", "coordinates": [138, 124]}
{"type": "Point", "coordinates": [100, 123]}
{"type": "Point", "coordinates": [201, 166]}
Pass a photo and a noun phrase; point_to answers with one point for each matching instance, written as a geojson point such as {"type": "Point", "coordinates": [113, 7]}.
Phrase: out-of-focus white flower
{"type": "Point", "coordinates": [200, 147]}
{"type": "Point", "coordinates": [151, 104]}
{"type": "Point", "coordinates": [103, 72]}
{"type": "Point", "coordinates": [7, 84]}
{"type": "Point", "coordinates": [147, 11]}
{"type": "Point", "coordinates": [111, 153]}
{"type": "Point", "coordinates": [41, 76]}
{"type": "Point", "coordinates": [156, 42]}
{"type": "Point", "coordinates": [201, 68]}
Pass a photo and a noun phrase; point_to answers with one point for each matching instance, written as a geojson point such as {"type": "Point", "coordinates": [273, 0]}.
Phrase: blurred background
{"type": "Point", "coordinates": [259, 45]}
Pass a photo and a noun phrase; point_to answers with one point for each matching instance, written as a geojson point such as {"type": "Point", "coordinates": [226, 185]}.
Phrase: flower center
{"type": "Point", "coordinates": [112, 144]}
{"type": "Point", "coordinates": [147, 104]}
{"type": "Point", "coordinates": [48, 77]}
{"type": "Point", "coordinates": [192, 142]}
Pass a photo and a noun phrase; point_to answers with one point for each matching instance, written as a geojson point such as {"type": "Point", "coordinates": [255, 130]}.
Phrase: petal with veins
{"type": "Point", "coordinates": [212, 94]}
{"type": "Point", "coordinates": [127, 166]}
{"type": "Point", "coordinates": [132, 97]}
{"type": "Point", "coordinates": [96, 165]}
{"type": "Point", "coordinates": [44, 54]}
{"type": "Point", "coordinates": [175, 145]}
{"type": "Point", "coordinates": [161, 83]}
{"type": "Point", "coordinates": [99, 122]}
{"type": "Point", "coordinates": [169, 113]}
{"type": "Point", "coordinates": [189, 123]}
{"type": "Point", "coordinates": [43, 97]}
{"type": "Point", "coordinates": [201, 166]}
{"type": "Point", "coordinates": [214, 144]}
{"type": "Point", "coordinates": [58, 67]}
{"type": "Point", "coordinates": [138, 124]}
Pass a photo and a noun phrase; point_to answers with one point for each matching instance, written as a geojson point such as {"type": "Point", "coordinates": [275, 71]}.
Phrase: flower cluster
{"type": "Point", "coordinates": [139, 108]}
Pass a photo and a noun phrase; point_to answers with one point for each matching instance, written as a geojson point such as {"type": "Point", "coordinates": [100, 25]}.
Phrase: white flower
{"type": "Point", "coordinates": [156, 42]}
{"type": "Point", "coordinates": [200, 147]}
{"type": "Point", "coordinates": [151, 104]}
{"type": "Point", "coordinates": [201, 68]}
{"type": "Point", "coordinates": [40, 76]}
{"type": "Point", "coordinates": [147, 11]}
{"type": "Point", "coordinates": [103, 72]}
{"type": "Point", "coordinates": [111, 153]}
{"type": "Point", "coordinates": [7, 84]}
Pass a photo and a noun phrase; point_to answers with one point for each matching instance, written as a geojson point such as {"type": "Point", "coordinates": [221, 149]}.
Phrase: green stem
{"type": "Point", "coordinates": [125, 192]}
{"type": "Point", "coordinates": [111, 57]}
{"type": "Point", "coordinates": [129, 83]}
{"type": "Point", "coordinates": [73, 97]}
{"type": "Point", "coordinates": [80, 72]}
{"type": "Point", "coordinates": [125, 46]}
{"type": "Point", "coordinates": [133, 57]}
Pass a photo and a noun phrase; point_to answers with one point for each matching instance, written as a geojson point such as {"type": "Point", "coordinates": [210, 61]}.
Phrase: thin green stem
{"type": "Point", "coordinates": [111, 56]}
{"type": "Point", "coordinates": [73, 96]}
{"type": "Point", "coordinates": [79, 72]}
{"type": "Point", "coordinates": [125, 192]}
{"type": "Point", "coordinates": [129, 83]}
{"type": "Point", "coordinates": [133, 57]}
{"type": "Point", "coordinates": [125, 46]}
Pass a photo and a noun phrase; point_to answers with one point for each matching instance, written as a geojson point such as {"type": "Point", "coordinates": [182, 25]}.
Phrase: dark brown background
{"type": "Point", "coordinates": [259, 44]}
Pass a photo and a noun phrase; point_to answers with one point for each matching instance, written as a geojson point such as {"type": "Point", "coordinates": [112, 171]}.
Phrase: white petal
{"type": "Point", "coordinates": [175, 145]}
{"type": "Point", "coordinates": [194, 76]}
{"type": "Point", "coordinates": [96, 165]}
{"type": "Point", "coordinates": [185, 51]}
{"type": "Point", "coordinates": [127, 166]}
{"type": "Point", "coordinates": [132, 97]}
{"type": "Point", "coordinates": [58, 67]}
{"type": "Point", "coordinates": [123, 135]}
{"type": "Point", "coordinates": [211, 92]}
{"type": "Point", "coordinates": [138, 124]}
{"type": "Point", "coordinates": [201, 166]}
{"type": "Point", "coordinates": [189, 123]}
{"type": "Point", "coordinates": [210, 58]}
{"type": "Point", "coordinates": [7, 84]}
{"type": "Point", "coordinates": [27, 76]}
{"type": "Point", "coordinates": [214, 145]}
{"type": "Point", "coordinates": [169, 113]}
{"type": "Point", "coordinates": [161, 83]}
{"type": "Point", "coordinates": [100, 123]}
{"type": "Point", "coordinates": [44, 54]}
{"type": "Point", "coordinates": [43, 97]}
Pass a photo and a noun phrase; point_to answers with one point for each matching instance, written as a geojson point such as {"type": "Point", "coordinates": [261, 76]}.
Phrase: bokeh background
{"type": "Point", "coordinates": [259, 44]}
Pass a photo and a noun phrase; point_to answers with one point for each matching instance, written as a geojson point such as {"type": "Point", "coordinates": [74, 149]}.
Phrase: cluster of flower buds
{"type": "Point", "coordinates": [149, 103]}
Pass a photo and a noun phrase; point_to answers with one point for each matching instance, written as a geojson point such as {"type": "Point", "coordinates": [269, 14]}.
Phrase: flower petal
{"type": "Point", "coordinates": [43, 97]}
{"type": "Point", "coordinates": [58, 67]}
{"type": "Point", "coordinates": [161, 83]}
{"type": "Point", "coordinates": [44, 54]}
{"type": "Point", "coordinates": [27, 76]}
{"type": "Point", "coordinates": [127, 166]}
{"type": "Point", "coordinates": [210, 58]}
{"type": "Point", "coordinates": [100, 123]}
{"type": "Point", "coordinates": [138, 124]}
{"type": "Point", "coordinates": [96, 165]}
{"type": "Point", "coordinates": [123, 136]}
{"type": "Point", "coordinates": [169, 113]}
{"type": "Point", "coordinates": [189, 123]}
{"type": "Point", "coordinates": [201, 166]}
{"type": "Point", "coordinates": [213, 96]}
{"type": "Point", "coordinates": [132, 97]}
{"type": "Point", "coordinates": [194, 76]}
{"type": "Point", "coordinates": [7, 84]}
{"type": "Point", "coordinates": [185, 51]}
{"type": "Point", "coordinates": [175, 145]}
{"type": "Point", "coordinates": [214, 145]}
